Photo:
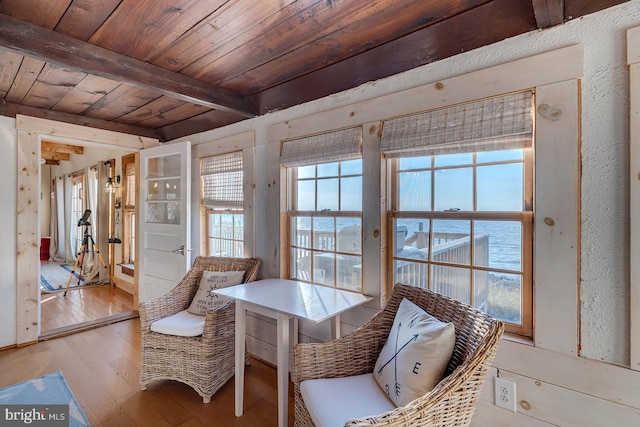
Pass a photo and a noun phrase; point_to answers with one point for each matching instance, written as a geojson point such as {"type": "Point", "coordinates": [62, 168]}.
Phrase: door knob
{"type": "Point", "coordinates": [180, 250]}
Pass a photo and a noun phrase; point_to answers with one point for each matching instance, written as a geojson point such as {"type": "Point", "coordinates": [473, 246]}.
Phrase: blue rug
{"type": "Point", "coordinates": [50, 389]}
{"type": "Point", "coordinates": [54, 277]}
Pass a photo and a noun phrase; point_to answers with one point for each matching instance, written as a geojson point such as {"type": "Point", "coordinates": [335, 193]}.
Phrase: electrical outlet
{"type": "Point", "coordinates": [505, 393]}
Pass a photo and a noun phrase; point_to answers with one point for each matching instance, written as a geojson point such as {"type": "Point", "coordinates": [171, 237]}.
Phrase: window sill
{"type": "Point", "coordinates": [518, 339]}
{"type": "Point", "coordinates": [127, 269]}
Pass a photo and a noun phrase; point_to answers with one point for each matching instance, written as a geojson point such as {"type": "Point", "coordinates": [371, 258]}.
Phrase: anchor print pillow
{"type": "Point", "coordinates": [211, 280]}
{"type": "Point", "coordinates": [415, 356]}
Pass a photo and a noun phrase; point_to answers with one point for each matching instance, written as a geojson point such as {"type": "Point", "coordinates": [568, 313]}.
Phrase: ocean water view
{"type": "Point", "coordinates": [505, 237]}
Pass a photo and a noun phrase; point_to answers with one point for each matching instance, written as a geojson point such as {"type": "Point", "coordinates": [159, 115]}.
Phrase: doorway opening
{"type": "Point", "coordinates": [80, 285]}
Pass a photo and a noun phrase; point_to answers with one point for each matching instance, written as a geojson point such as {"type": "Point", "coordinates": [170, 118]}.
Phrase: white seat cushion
{"type": "Point", "coordinates": [333, 401]}
{"type": "Point", "coordinates": [182, 324]}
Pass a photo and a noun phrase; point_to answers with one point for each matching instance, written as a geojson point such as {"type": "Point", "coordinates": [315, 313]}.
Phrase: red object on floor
{"type": "Point", "coordinates": [44, 248]}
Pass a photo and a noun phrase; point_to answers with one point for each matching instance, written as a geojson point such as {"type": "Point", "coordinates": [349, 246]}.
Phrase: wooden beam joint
{"type": "Point", "coordinates": [548, 12]}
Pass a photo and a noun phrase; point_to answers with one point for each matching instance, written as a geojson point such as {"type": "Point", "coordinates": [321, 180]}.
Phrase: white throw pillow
{"type": "Point", "coordinates": [416, 354]}
{"type": "Point", "coordinates": [211, 280]}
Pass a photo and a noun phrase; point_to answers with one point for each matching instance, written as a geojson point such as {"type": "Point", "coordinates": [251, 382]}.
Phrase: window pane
{"type": "Point", "coordinates": [454, 189]}
{"type": "Point", "coordinates": [326, 248]}
{"type": "Point", "coordinates": [498, 244]}
{"type": "Point", "coordinates": [351, 167]}
{"type": "Point", "coordinates": [306, 197]}
{"type": "Point", "coordinates": [238, 227]}
{"type": "Point", "coordinates": [167, 189]}
{"type": "Point", "coordinates": [132, 239]}
{"type": "Point", "coordinates": [323, 267]}
{"type": "Point", "coordinates": [502, 155]}
{"type": "Point", "coordinates": [239, 249]}
{"type": "Point", "coordinates": [452, 282]}
{"type": "Point", "coordinates": [500, 187]}
{"type": "Point", "coordinates": [412, 238]}
{"type": "Point", "coordinates": [163, 213]}
{"type": "Point", "coordinates": [481, 285]}
{"type": "Point", "coordinates": [453, 159]}
{"type": "Point", "coordinates": [414, 162]}
{"type": "Point", "coordinates": [301, 264]}
{"type": "Point", "coordinates": [349, 235]}
{"type": "Point", "coordinates": [164, 166]}
{"type": "Point", "coordinates": [301, 232]}
{"type": "Point", "coordinates": [505, 296]}
{"type": "Point", "coordinates": [226, 231]}
{"type": "Point", "coordinates": [306, 172]}
{"type": "Point", "coordinates": [214, 247]}
{"type": "Point", "coordinates": [414, 192]}
{"type": "Point", "coordinates": [451, 242]}
{"type": "Point", "coordinates": [411, 273]}
{"type": "Point", "coordinates": [348, 276]}
{"type": "Point", "coordinates": [351, 194]}
{"type": "Point", "coordinates": [327, 169]}
{"type": "Point", "coordinates": [327, 194]}
{"type": "Point", "coordinates": [214, 225]}
{"type": "Point", "coordinates": [323, 234]}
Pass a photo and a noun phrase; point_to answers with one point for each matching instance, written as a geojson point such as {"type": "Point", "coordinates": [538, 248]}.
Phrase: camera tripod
{"type": "Point", "coordinates": [80, 258]}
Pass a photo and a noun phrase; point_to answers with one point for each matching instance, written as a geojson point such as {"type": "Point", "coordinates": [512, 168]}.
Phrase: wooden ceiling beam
{"type": "Point", "coordinates": [53, 155]}
{"type": "Point", "coordinates": [61, 148]}
{"type": "Point", "coordinates": [28, 39]}
{"type": "Point", "coordinates": [548, 12]}
{"type": "Point", "coordinates": [10, 109]}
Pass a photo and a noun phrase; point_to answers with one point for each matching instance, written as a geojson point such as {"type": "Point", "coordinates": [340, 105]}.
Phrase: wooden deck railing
{"type": "Point", "coordinates": [449, 248]}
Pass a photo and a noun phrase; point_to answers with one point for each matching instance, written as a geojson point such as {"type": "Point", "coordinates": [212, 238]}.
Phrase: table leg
{"type": "Point", "coordinates": [239, 359]}
{"type": "Point", "coordinates": [283, 368]}
{"type": "Point", "coordinates": [337, 331]}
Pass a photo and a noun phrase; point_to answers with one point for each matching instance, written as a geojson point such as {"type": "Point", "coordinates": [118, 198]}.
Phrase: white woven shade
{"type": "Point", "coordinates": [500, 123]}
{"type": "Point", "coordinates": [222, 181]}
{"type": "Point", "coordinates": [345, 144]}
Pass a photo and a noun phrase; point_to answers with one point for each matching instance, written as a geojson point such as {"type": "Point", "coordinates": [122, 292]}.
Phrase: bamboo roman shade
{"type": "Point", "coordinates": [222, 181]}
{"type": "Point", "coordinates": [130, 182]}
{"type": "Point", "coordinates": [499, 123]}
{"type": "Point", "coordinates": [344, 144]}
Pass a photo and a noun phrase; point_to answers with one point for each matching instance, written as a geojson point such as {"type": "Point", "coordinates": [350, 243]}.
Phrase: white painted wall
{"type": "Point", "coordinates": [604, 284]}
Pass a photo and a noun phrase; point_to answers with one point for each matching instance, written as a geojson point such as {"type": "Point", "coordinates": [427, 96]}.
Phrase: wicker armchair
{"type": "Point", "coordinates": [204, 362]}
{"type": "Point", "coordinates": [451, 403]}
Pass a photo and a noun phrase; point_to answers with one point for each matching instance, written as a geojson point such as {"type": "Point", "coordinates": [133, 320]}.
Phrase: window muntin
{"type": "Point", "coordinates": [440, 203]}
{"type": "Point", "coordinates": [326, 224]}
{"type": "Point", "coordinates": [222, 200]}
{"type": "Point", "coordinates": [225, 233]}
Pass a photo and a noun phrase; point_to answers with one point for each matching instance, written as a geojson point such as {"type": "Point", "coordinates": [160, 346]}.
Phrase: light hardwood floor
{"type": "Point", "coordinates": [83, 305]}
{"type": "Point", "coordinates": [101, 366]}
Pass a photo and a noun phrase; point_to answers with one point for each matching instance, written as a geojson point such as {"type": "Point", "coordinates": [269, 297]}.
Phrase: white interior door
{"type": "Point", "coordinates": [164, 218]}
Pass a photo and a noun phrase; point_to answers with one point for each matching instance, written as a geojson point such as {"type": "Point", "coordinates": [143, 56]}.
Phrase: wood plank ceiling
{"type": "Point", "coordinates": [170, 68]}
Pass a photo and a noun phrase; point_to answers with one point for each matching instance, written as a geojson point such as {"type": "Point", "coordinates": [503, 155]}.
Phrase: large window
{"type": "Point", "coordinates": [222, 201]}
{"type": "Point", "coordinates": [324, 214]}
{"type": "Point", "coordinates": [462, 205]}
{"type": "Point", "coordinates": [326, 224]}
{"type": "Point", "coordinates": [77, 210]}
{"type": "Point", "coordinates": [128, 202]}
